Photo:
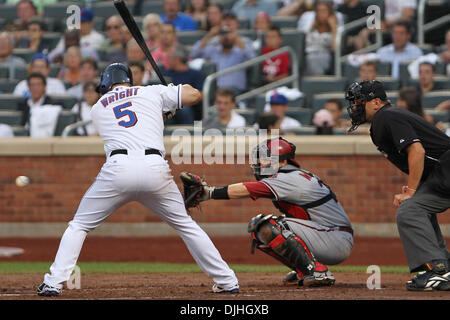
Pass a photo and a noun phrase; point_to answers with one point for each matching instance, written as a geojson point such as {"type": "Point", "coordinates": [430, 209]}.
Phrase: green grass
{"type": "Point", "coordinates": [138, 267]}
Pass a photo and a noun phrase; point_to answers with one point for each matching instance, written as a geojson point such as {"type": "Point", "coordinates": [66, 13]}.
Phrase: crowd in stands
{"type": "Point", "coordinates": [45, 65]}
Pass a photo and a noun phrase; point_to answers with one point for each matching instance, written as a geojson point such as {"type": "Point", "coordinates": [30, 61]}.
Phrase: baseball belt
{"type": "Point", "coordinates": [147, 152]}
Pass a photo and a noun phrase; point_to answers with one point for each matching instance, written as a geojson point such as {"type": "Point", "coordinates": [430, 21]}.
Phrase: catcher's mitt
{"type": "Point", "coordinates": [195, 188]}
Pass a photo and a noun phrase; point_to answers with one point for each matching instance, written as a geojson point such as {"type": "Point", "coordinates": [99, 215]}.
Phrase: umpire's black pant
{"type": "Point", "coordinates": [419, 229]}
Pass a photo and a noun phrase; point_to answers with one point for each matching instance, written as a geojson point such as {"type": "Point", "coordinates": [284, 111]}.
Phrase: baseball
{"type": "Point", "coordinates": [22, 181]}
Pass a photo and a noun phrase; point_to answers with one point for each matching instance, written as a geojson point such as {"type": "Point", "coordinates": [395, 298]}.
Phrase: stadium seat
{"type": "Point", "coordinates": [320, 99]}
{"type": "Point", "coordinates": [248, 114]}
{"type": "Point", "coordinates": [54, 70]}
{"type": "Point", "coordinates": [303, 131]}
{"type": "Point", "coordinates": [438, 116]}
{"type": "Point", "coordinates": [244, 23]}
{"type": "Point", "coordinates": [302, 115]}
{"type": "Point", "coordinates": [20, 131]}
{"type": "Point", "coordinates": [3, 22]}
{"type": "Point", "coordinates": [441, 67]}
{"type": "Point", "coordinates": [352, 72]}
{"type": "Point", "coordinates": [249, 33]}
{"type": "Point", "coordinates": [155, 6]}
{"type": "Point", "coordinates": [190, 37]}
{"type": "Point", "coordinates": [426, 48]}
{"type": "Point", "coordinates": [66, 101]}
{"type": "Point", "coordinates": [432, 99]}
{"type": "Point", "coordinates": [226, 4]}
{"type": "Point", "coordinates": [57, 10]}
{"type": "Point", "coordinates": [65, 118]}
{"type": "Point", "coordinates": [296, 40]}
{"type": "Point", "coordinates": [404, 73]}
{"type": "Point", "coordinates": [51, 39]}
{"type": "Point", "coordinates": [260, 102]}
{"type": "Point", "coordinates": [285, 22]}
{"type": "Point", "coordinates": [9, 101]}
{"type": "Point", "coordinates": [24, 53]}
{"type": "Point", "coordinates": [390, 83]}
{"type": "Point", "coordinates": [99, 23]}
{"type": "Point", "coordinates": [21, 73]}
{"type": "Point", "coordinates": [104, 9]}
{"type": "Point", "coordinates": [7, 86]}
{"type": "Point", "coordinates": [440, 83]}
{"type": "Point", "coordinates": [4, 72]}
{"type": "Point", "coordinates": [9, 12]}
{"type": "Point", "coordinates": [321, 84]}
{"type": "Point", "coordinates": [11, 118]}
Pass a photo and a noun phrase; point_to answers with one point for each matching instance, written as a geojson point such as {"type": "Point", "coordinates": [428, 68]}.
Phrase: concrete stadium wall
{"type": "Point", "coordinates": [61, 170]}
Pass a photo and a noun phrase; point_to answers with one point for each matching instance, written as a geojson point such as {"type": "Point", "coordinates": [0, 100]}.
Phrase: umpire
{"type": "Point", "coordinates": [422, 151]}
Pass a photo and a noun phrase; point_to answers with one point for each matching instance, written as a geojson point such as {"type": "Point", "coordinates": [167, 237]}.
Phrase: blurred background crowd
{"type": "Point", "coordinates": [49, 70]}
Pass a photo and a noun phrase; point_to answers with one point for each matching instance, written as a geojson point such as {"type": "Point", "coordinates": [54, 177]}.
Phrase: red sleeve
{"type": "Point", "coordinates": [285, 64]}
{"type": "Point", "coordinates": [258, 190]}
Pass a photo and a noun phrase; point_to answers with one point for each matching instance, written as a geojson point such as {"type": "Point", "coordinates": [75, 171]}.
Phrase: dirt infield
{"type": "Point", "coordinates": [195, 286]}
{"type": "Point", "coordinates": [235, 250]}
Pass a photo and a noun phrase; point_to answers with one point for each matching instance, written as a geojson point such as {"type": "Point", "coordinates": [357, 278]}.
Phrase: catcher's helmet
{"type": "Point", "coordinates": [358, 93]}
{"type": "Point", "coordinates": [274, 151]}
{"type": "Point", "coordinates": [115, 73]}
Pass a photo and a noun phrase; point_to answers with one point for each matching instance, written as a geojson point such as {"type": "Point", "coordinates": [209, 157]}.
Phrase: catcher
{"type": "Point", "coordinates": [313, 230]}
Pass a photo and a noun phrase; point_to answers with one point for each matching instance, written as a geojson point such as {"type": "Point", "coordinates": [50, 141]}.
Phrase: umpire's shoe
{"type": "Point", "coordinates": [48, 291]}
{"type": "Point", "coordinates": [436, 277]}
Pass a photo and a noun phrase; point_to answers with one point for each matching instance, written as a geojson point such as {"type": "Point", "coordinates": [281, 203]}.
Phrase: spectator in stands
{"type": "Point", "coordinates": [6, 58]}
{"type": "Point", "coordinates": [113, 46]}
{"type": "Point", "coordinates": [88, 73]}
{"type": "Point", "coordinates": [89, 37]}
{"type": "Point", "coordinates": [226, 117]}
{"type": "Point", "coordinates": [250, 8]}
{"type": "Point", "coordinates": [401, 49]}
{"type": "Point", "coordinates": [179, 72]}
{"type": "Point", "coordinates": [126, 35]}
{"type": "Point", "coordinates": [336, 108]}
{"type": "Point", "coordinates": [82, 109]}
{"type": "Point", "coordinates": [32, 40]}
{"type": "Point", "coordinates": [6, 131]}
{"type": "Point", "coordinates": [230, 51]}
{"type": "Point", "coordinates": [444, 105]}
{"type": "Point", "coordinates": [152, 24]}
{"type": "Point", "coordinates": [213, 16]}
{"type": "Point", "coordinates": [25, 11]}
{"type": "Point", "coordinates": [167, 45]}
{"type": "Point", "coordinates": [320, 39]}
{"type": "Point", "coordinates": [354, 10]}
{"type": "Point", "coordinates": [134, 52]}
{"type": "Point", "coordinates": [37, 84]}
{"type": "Point", "coordinates": [295, 7]}
{"type": "Point", "coordinates": [368, 70]}
{"type": "Point", "coordinates": [138, 71]}
{"type": "Point", "coordinates": [70, 72]}
{"type": "Point", "coordinates": [398, 10]}
{"type": "Point", "coordinates": [275, 68]}
{"type": "Point", "coordinates": [196, 9]}
{"type": "Point", "coordinates": [279, 107]}
{"type": "Point", "coordinates": [324, 122]}
{"type": "Point", "coordinates": [445, 55]}
{"type": "Point", "coordinates": [270, 122]}
{"type": "Point", "coordinates": [71, 38]}
{"type": "Point", "coordinates": [411, 99]}
{"type": "Point", "coordinates": [262, 22]}
{"type": "Point", "coordinates": [172, 14]}
{"type": "Point", "coordinates": [41, 64]}
{"type": "Point", "coordinates": [427, 71]}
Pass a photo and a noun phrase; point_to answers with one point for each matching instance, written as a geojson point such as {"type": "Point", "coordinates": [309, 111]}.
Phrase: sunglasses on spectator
{"type": "Point", "coordinates": [112, 27]}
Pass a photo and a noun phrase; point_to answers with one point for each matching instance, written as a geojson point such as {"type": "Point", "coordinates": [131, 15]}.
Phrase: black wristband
{"type": "Point", "coordinates": [220, 193]}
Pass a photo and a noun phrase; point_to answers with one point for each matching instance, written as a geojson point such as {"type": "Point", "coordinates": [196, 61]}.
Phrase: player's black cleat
{"type": "Point", "coordinates": [436, 277]}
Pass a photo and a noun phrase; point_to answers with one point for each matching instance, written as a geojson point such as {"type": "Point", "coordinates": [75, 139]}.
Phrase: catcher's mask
{"type": "Point", "coordinates": [115, 73]}
{"type": "Point", "coordinates": [266, 156]}
{"type": "Point", "coordinates": [358, 93]}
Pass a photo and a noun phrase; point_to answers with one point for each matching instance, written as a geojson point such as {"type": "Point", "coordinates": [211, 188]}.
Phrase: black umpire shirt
{"type": "Point", "coordinates": [395, 128]}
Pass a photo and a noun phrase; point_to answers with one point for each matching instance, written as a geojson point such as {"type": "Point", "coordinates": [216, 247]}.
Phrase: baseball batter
{"type": "Point", "coordinates": [130, 121]}
{"type": "Point", "coordinates": [314, 229]}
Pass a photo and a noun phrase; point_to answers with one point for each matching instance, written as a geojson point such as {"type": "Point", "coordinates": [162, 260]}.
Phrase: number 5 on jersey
{"type": "Point", "coordinates": [120, 113]}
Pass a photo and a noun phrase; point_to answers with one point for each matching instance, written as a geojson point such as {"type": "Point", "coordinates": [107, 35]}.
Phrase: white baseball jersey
{"type": "Point", "coordinates": [131, 117]}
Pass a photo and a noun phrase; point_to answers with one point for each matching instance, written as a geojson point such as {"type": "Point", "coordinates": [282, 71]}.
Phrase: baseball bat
{"type": "Point", "coordinates": [137, 35]}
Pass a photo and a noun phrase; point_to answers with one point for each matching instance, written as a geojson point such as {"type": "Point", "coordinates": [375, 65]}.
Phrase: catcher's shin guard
{"type": "Point", "coordinates": [274, 239]}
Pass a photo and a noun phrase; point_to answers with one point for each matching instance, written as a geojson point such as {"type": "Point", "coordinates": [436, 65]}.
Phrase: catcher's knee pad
{"type": "Point", "coordinates": [272, 237]}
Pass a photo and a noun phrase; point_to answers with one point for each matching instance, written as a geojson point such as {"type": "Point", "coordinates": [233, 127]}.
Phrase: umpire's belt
{"type": "Point", "coordinates": [147, 152]}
